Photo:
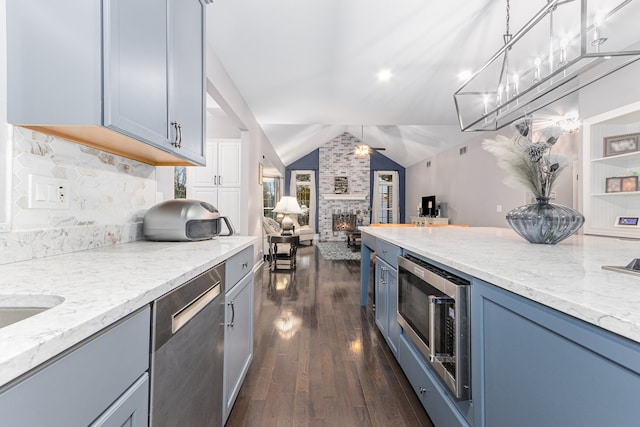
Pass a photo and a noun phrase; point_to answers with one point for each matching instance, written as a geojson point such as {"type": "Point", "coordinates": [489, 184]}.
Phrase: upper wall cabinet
{"type": "Point", "coordinates": [123, 76]}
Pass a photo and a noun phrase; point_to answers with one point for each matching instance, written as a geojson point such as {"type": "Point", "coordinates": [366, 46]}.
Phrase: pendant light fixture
{"type": "Point", "coordinates": [565, 46]}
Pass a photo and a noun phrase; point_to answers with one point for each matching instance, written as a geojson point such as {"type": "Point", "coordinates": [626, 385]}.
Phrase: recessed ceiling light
{"type": "Point", "coordinates": [464, 75]}
{"type": "Point", "coordinates": [384, 75]}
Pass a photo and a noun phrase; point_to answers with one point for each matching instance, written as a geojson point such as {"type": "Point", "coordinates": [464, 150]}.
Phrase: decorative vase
{"type": "Point", "coordinates": [544, 222]}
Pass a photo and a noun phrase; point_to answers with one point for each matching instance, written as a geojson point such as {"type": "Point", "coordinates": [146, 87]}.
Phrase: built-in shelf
{"type": "Point", "coordinates": [617, 194]}
{"type": "Point", "coordinates": [345, 197]}
{"type": "Point", "coordinates": [600, 208]}
{"type": "Point", "coordinates": [627, 159]}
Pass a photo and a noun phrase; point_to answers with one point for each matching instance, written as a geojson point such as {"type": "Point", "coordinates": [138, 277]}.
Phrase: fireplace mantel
{"type": "Point", "coordinates": [345, 196]}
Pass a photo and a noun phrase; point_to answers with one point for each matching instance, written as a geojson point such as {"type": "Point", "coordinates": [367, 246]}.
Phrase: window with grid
{"type": "Point", "coordinates": [385, 206]}
{"type": "Point", "coordinates": [270, 196]}
{"type": "Point", "coordinates": [303, 195]}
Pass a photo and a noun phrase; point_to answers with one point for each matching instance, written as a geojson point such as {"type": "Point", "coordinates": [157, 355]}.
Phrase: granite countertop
{"type": "Point", "coordinates": [567, 276]}
{"type": "Point", "coordinates": [99, 287]}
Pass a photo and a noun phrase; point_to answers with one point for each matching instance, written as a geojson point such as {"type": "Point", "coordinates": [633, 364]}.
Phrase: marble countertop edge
{"type": "Point", "coordinates": [572, 282]}
{"type": "Point", "coordinates": [106, 297]}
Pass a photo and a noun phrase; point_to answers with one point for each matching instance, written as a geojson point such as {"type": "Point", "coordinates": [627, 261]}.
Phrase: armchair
{"type": "Point", "coordinates": [271, 227]}
{"type": "Point", "coordinates": [305, 232]}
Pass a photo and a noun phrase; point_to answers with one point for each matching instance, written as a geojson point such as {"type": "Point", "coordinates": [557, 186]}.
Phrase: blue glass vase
{"type": "Point", "coordinates": [544, 222]}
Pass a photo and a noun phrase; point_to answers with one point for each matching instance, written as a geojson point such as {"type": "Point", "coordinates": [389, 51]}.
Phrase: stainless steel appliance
{"type": "Point", "coordinates": [434, 312]}
{"type": "Point", "coordinates": [183, 220]}
{"type": "Point", "coordinates": [187, 353]}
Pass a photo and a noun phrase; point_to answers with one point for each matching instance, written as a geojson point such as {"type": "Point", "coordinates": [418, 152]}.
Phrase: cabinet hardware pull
{"type": "Point", "coordinates": [422, 390]}
{"type": "Point", "coordinates": [383, 270]}
{"type": "Point", "coordinates": [220, 179]}
{"type": "Point", "coordinates": [233, 313]}
{"type": "Point", "coordinates": [215, 179]}
{"type": "Point", "coordinates": [245, 265]}
{"type": "Point", "coordinates": [177, 142]}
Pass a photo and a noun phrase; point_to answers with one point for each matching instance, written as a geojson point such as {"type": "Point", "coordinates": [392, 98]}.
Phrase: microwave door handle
{"type": "Point", "coordinates": [433, 300]}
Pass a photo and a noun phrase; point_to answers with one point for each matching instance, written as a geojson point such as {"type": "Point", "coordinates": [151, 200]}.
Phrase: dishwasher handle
{"type": "Point", "coordinates": [189, 311]}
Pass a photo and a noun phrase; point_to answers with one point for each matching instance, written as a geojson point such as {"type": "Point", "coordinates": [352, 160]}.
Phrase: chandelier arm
{"type": "Point", "coordinates": [541, 14]}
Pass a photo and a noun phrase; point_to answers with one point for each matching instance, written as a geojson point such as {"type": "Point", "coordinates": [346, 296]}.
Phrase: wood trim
{"type": "Point", "coordinates": [104, 139]}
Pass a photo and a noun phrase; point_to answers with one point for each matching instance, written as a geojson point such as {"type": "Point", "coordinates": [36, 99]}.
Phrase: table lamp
{"type": "Point", "coordinates": [287, 205]}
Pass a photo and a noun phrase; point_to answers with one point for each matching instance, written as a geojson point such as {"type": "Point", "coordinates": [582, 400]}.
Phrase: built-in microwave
{"type": "Point", "coordinates": [433, 311]}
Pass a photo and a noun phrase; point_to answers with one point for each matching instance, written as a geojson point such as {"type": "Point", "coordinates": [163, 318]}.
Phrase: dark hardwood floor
{"type": "Point", "coordinates": [319, 359]}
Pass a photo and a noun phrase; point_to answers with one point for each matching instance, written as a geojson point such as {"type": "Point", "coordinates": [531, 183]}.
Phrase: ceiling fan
{"type": "Point", "coordinates": [363, 149]}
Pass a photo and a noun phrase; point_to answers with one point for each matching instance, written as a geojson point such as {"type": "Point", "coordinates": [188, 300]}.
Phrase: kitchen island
{"type": "Point", "coordinates": [554, 337]}
{"type": "Point", "coordinates": [97, 288]}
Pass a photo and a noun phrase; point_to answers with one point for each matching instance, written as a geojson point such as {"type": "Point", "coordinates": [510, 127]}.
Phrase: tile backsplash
{"type": "Point", "coordinates": [108, 196]}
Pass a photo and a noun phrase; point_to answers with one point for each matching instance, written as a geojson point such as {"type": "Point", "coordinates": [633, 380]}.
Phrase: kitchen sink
{"type": "Point", "coordinates": [14, 308]}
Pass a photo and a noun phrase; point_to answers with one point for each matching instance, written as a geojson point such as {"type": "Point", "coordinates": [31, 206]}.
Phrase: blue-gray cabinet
{"type": "Point", "coordinates": [124, 76]}
{"type": "Point", "coordinates": [534, 366]}
{"type": "Point", "coordinates": [432, 394]}
{"type": "Point", "coordinates": [238, 335]}
{"type": "Point", "coordinates": [187, 77]}
{"type": "Point", "coordinates": [135, 75]}
{"type": "Point", "coordinates": [102, 382]}
{"type": "Point", "coordinates": [386, 300]}
{"type": "Point", "coordinates": [386, 295]}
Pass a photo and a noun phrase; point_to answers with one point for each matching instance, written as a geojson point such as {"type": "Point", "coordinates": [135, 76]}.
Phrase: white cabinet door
{"type": "Point", "coordinates": [222, 166]}
{"type": "Point", "coordinates": [219, 181]}
{"type": "Point", "coordinates": [226, 200]}
{"type": "Point", "coordinates": [209, 195]}
{"type": "Point", "coordinates": [229, 164]}
{"type": "Point", "coordinates": [229, 206]}
{"type": "Point", "coordinates": [205, 176]}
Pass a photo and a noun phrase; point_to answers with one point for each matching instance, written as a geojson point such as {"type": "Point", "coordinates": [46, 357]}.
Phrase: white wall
{"type": "Point", "coordinates": [255, 144]}
{"type": "Point", "coordinates": [473, 185]}
{"type": "Point", "coordinates": [613, 91]}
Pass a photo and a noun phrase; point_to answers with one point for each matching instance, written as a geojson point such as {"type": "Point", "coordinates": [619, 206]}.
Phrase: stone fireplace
{"type": "Point", "coordinates": [343, 187]}
{"type": "Point", "coordinates": [344, 221]}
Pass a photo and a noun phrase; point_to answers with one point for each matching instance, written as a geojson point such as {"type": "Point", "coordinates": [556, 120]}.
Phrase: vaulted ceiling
{"type": "Point", "coordinates": [308, 68]}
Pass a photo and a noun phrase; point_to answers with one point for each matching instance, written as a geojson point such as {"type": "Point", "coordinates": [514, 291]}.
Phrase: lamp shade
{"type": "Point", "coordinates": [288, 205]}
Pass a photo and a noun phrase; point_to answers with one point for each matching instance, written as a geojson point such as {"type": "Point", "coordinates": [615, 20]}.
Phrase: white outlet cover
{"type": "Point", "coordinates": [48, 193]}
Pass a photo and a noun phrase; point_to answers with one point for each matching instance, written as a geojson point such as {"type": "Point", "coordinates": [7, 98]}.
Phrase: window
{"type": "Point", "coordinates": [385, 197]}
{"type": "Point", "coordinates": [303, 194]}
{"type": "Point", "coordinates": [270, 196]}
{"type": "Point", "coordinates": [303, 185]}
{"type": "Point", "coordinates": [385, 205]}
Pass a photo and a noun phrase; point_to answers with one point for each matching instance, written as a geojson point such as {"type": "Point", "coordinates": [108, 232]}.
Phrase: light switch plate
{"type": "Point", "coordinates": [48, 193]}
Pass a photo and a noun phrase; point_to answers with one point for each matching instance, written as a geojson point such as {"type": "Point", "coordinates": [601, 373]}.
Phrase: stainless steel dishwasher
{"type": "Point", "coordinates": [187, 353]}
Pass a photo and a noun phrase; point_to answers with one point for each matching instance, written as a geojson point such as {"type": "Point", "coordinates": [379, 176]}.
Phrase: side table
{"type": "Point", "coordinates": [353, 239]}
{"type": "Point", "coordinates": [290, 255]}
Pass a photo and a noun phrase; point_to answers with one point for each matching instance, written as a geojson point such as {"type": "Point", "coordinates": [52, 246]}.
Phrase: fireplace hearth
{"type": "Point", "coordinates": [344, 222]}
